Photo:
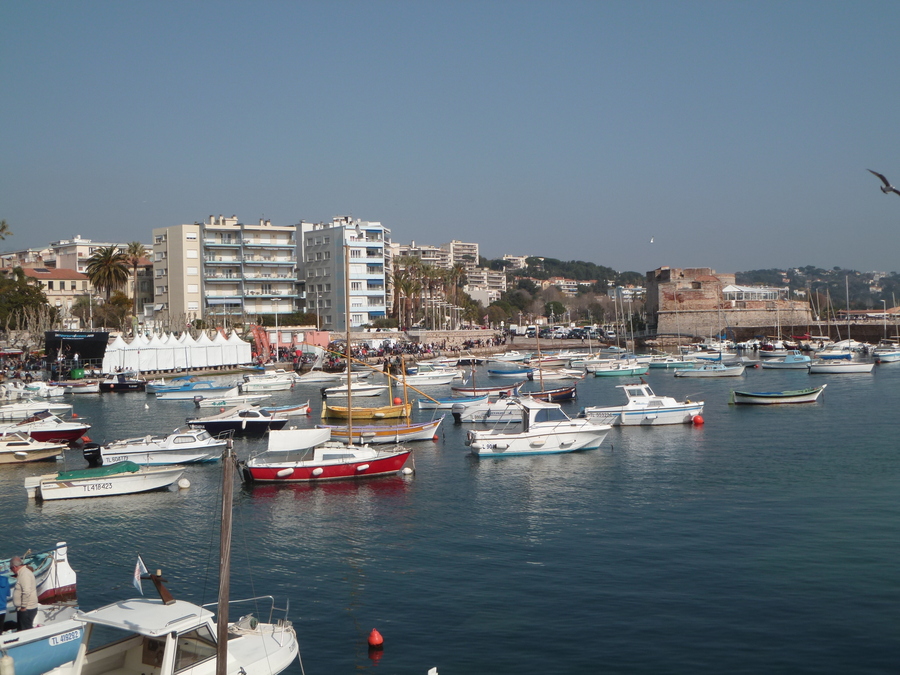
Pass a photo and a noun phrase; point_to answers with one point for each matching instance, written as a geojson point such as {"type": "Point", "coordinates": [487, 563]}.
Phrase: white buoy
{"type": "Point", "coordinates": [146, 406]}
{"type": "Point", "coordinates": [184, 483]}
{"type": "Point", "coordinates": [406, 471]}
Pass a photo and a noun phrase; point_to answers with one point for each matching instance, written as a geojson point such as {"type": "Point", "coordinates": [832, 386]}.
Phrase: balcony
{"type": "Point", "coordinates": [222, 260]}
{"type": "Point", "coordinates": [276, 243]}
{"type": "Point", "coordinates": [219, 242]}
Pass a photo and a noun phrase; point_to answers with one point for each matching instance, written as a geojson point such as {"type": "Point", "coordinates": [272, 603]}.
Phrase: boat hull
{"type": "Point", "coordinates": [840, 367]}
{"type": "Point", "coordinates": [294, 473]}
{"type": "Point", "coordinates": [393, 433]}
{"type": "Point", "coordinates": [622, 416]}
{"type": "Point", "coordinates": [49, 487]}
{"type": "Point", "coordinates": [50, 644]}
{"type": "Point", "coordinates": [540, 442]}
{"type": "Point", "coordinates": [240, 427]}
{"type": "Point", "coordinates": [724, 371]}
{"type": "Point", "coordinates": [382, 412]}
{"type": "Point", "coordinates": [777, 397]}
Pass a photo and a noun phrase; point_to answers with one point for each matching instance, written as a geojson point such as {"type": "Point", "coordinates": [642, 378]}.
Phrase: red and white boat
{"type": "Point", "coordinates": [309, 455]}
{"type": "Point", "coordinates": [45, 426]}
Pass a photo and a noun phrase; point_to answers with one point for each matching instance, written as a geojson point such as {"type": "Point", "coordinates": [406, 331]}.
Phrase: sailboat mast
{"type": "Point", "coordinates": [349, 358]}
{"type": "Point", "coordinates": [224, 560]}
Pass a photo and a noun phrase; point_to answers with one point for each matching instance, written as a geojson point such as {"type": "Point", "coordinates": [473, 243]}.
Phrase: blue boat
{"type": "Point", "coordinates": [53, 642]}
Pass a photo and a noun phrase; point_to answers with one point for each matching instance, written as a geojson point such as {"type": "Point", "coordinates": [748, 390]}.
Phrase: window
{"type": "Point", "coordinates": [193, 288]}
{"type": "Point", "coordinates": [327, 255]}
{"type": "Point", "coordinates": [328, 318]}
{"type": "Point", "coordinates": [160, 290]}
{"type": "Point", "coordinates": [192, 271]}
{"type": "Point", "coordinates": [50, 285]}
{"type": "Point", "coordinates": [194, 647]}
{"type": "Point", "coordinates": [327, 240]}
{"type": "Point", "coordinates": [191, 253]}
{"type": "Point", "coordinates": [309, 241]}
{"type": "Point", "coordinates": [318, 256]}
{"type": "Point", "coordinates": [327, 288]}
{"type": "Point", "coordinates": [355, 285]}
{"type": "Point", "coordinates": [190, 236]}
{"type": "Point", "coordinates": [327, 302]}
{"type": "Point", "coordinates": [319, 288]}
{"type": "Point", "coordinates": [309, 273]}
{"type": "Point", "coordinates": [193, 305]}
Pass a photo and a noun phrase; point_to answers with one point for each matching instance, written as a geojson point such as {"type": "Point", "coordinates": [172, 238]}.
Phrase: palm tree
{"type": "Point", "coordinates": [135, 251]}
{"type": "Point", "coordinates": [4, 229]}
{"type": "Point", "coordinates": [107, 269]}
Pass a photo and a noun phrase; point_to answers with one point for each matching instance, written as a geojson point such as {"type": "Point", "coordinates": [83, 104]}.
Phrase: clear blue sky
{"type": "Point", "coordinates": [735, 134]}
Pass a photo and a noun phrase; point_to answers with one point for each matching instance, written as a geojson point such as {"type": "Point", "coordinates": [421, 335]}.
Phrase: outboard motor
{"type": "Point", "coordinates": [92, 454]}
{"type": "Point", "coordinates": [457, 410]}
{"type": "Point", "coordinates": [322, 390]}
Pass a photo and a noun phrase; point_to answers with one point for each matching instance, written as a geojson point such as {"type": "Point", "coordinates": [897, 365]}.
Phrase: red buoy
{"type": "Point", "coordinates": [375, 639]}
{"type": "Point", "coordinates": [397, 400]}
{"type": "Point", "coordinates": [435, 437]}
{"type": "Point", "coordinates": [74, 415]}
{"type": "Point", "coordinates": [697, 420]}
{"type": "Point", "coordinates": [86, 439]}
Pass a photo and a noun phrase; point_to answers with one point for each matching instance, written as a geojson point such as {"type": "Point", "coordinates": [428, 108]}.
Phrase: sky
{"type": "Point", "coordinates": [633, 134]}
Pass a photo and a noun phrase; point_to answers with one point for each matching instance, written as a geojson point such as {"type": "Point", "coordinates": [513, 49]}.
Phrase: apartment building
{"type": "Point", "coordinates": [485, 284]}
{"type": "Point", "coordinates": [62, 288]}
{"type": "Point", "coordinates": [429, 255]}
{"type": "Point", "coordinates": [324, 249]}
{"type": "Point", "coordinates": [462, 253]}
{"type": "Point", "coordinates": [224, 268]}
{"type": "Point", "coordinates": [516, 262]}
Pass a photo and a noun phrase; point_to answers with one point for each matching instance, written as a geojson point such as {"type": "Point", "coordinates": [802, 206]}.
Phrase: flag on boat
{"type": "Point", "coordinates": [139, 569]}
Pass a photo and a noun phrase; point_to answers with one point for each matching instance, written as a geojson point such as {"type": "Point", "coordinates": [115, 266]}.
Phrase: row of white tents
{"type": "Point", "coordinates": [167, 352]}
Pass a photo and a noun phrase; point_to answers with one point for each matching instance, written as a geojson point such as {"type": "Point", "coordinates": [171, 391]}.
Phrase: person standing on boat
{"type": "Point", "coordinates": [4, 598]}
{"type": "Point", "coordinates": [24, 594]}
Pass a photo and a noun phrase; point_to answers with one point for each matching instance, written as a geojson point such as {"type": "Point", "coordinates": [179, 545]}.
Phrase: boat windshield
{"type": "Point", "coordinates": [550, 415]}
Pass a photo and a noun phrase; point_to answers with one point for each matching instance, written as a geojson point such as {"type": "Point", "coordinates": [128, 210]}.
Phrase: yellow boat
{"type": "Point", "coordinates": [377, 413]}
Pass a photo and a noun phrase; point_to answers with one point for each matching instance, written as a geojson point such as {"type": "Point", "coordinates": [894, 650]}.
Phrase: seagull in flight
{"type": "Point", "coordinates": [887, 188]}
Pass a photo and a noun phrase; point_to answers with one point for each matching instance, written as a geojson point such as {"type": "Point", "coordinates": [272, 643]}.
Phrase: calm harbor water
{"type": "Point", "coordinates": [766, 540]}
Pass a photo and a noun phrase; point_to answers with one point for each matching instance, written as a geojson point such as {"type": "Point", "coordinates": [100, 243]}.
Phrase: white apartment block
{"type": "Point", "coordinates": [429, 255]}
{"type": "Point", "coordinates": [462, 253]}
{"type": "Point", "coordinates": [324, 248]}
{"type": "Point", "coordinates": [222, 267]}
{"type": "Point", "coordinates": [485, 284]}
{"type": "Point", "coordinates": [516, 262]}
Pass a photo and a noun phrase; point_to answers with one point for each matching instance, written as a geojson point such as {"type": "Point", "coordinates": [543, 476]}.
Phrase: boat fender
{"type": "Point", "coordinates": [243, 424]}
{"type": "Point", "coordinates": [318, 471]}
{"type": "Point", "coordinates": [8, 666]}
{"type": "Point", "coordinates": [284, 473]}
{"type": "Point", "coordinates": [362, 467]}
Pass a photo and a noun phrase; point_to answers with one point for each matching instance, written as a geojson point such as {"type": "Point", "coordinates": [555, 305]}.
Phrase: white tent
{"type": "Point", "coordinates": [198, 351]}
{"type": "Point", "coordinates": [114, 357]}
{"type": "Point", "coordinates": [213, 350]}
{"type": "Point", "coordinates": [244, 349]}
{"type": "Point", "coordinates": [229, 351]}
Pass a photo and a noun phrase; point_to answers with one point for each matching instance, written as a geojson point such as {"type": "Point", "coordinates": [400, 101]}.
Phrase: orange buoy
{"type": "Point", "coordinates": [74, 415]}
{"type": "Point", "coordinates": [86, 439]}
{"type": "Point", "coordinates": [697, 420]}
{"type": "Point", "coordinates": [435, 437]}
{"type": "Point", "coordinates": [397, 400]}
{"type": "Point", "coordinates": [375, 640]}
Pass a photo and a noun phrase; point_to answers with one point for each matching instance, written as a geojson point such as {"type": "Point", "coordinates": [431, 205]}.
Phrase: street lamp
{"type": "Point", "coordinates": [884, 316]}
{"type": "Point", "coordinates": [277, 337]}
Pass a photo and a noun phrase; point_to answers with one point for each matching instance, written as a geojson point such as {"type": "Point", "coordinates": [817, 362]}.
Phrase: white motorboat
{"type": "Point", "coordinates": [448, 403]}
{"type": "Point", "coordinates": [359, 389]}
{"type": "Point", "coordinates": [510, 356]}
{"type": "Point", "coordinates": [887, 351]}
{"type": "Point", "coordinates": [836, 367]}
{"type": "Point", "coordinates": [644, 408]}
{"type": "Point", "coordinates": [792, 360]}
{"type": "Point", "coordinates": [229, 401]}
{"type": "Point", "coordinates": [546, 429]}
{"type": "Point", "coordinates": [188, 393]}
{"type": "Point", "coordinates": [505, 409]}
{"type": "Point", "coordinates": [23, 409]}
{"type": "Point", "coordinates": [426, 374]}
{"type": "Point", "coordinates": [260, 383]}
{"type": "Point", "coordinates": [556, 374]}
{"type": "Point", "coordinates": [188, 445]}
{"type": "Point", "coordinates": [18, 448]}
{"type": "Point", "coordinates": [712, 370]}
{"type": "Point", "coordinates": [122, 478]}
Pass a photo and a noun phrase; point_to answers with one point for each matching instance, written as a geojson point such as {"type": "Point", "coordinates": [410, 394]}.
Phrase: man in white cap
{"type": "Point", "coordinates": [24, 594]}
